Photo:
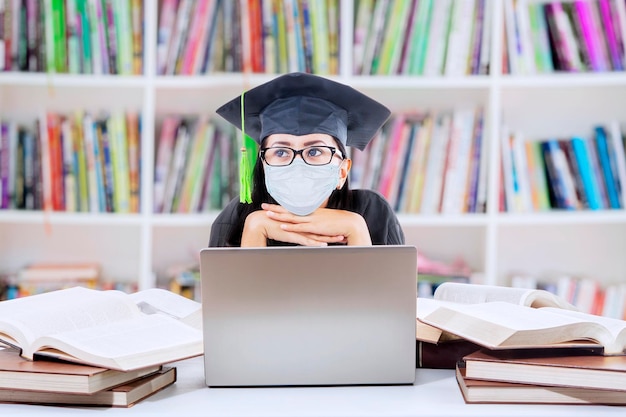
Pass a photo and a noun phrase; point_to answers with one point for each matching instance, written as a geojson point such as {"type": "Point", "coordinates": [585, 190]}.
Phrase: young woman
{"type": "Point", "coordinates": [300, 196]}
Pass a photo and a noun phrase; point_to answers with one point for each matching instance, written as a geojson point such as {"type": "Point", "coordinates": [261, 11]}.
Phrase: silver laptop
{"type": "Point", "coordinates": [309, 316]}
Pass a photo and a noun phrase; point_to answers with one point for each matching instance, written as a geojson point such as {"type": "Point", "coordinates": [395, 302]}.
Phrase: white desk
{"type": "Point", "coordinates": [435, 393]}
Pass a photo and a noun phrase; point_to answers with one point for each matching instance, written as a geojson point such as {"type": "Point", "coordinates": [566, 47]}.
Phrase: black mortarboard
{"type": "Point", "coordinates": [300, 104]}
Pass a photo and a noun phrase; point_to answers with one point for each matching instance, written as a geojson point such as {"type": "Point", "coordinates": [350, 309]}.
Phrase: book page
{"type": "Point", "coordinates": [477, 293]}
{"type": "Point", "coordinates": [28, 318]}
{"type": "Point", "coordinates": [616, 327]}
{"type": "Point", "coordinates": [160, 301]}
{"type": "Point", "coordinates": [501, 325]}
{"type": "Point", "coordinates": [129, 344]}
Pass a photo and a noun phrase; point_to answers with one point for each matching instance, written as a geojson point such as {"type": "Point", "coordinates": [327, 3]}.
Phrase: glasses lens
{"type": "Point", "coordinates": [278, 156]}
{"type": "Point", "coordinates": [313, 155]}
{"type": "Point", "coordinates": [317, 155]}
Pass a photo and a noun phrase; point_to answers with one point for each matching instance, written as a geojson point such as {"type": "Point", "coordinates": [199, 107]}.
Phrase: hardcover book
{"type": "Point", "coordinates": [125, 395]}
{"type": "Point", "coordinates": [17, 373]}
{"type": "Point", "coordinates": [497, 392]}
{"type": "Point", "coordinates": [510, 318]}
{"type": "Point", "coordinates": [109, 329]}
{"type": "Point", "coordinates": [545, 367]}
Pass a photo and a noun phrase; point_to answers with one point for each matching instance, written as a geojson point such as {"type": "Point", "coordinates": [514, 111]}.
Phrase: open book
{"type": "Point", "coordinates": [110, 329]}
{"type": "Point", "coordinates": [534, 319]}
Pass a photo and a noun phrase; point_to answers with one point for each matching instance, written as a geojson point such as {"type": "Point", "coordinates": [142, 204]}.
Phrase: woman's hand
{"type": "Point", "coordinates": [323, 225]}
{"type": "Point", "coordinates": [261, 225]}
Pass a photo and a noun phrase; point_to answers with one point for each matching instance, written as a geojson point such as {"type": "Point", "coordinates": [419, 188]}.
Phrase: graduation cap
{"type": "Point", "coordinates": [301, 104]}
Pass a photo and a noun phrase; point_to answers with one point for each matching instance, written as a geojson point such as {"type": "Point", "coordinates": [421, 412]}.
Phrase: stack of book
{"type": "Point", "coordinates": [530, 346]}
{"type": "Point", "coordinates": [91, 347]}
{"type": "Point", "coordinates": [63, 383]}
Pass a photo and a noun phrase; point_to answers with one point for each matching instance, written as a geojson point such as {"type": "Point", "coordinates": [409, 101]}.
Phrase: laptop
{"type": "Point", "coordinates": [300, 316]}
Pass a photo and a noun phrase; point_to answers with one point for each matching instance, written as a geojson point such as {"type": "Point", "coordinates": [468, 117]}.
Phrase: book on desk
{"type": "Point", "coordinates": [531, 347]}
{"type": "Point", "coordinates": [109, 329]}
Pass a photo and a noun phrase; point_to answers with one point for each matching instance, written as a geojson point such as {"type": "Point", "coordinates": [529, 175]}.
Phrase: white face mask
{"type": "Point", "coordinates": [299, 187]}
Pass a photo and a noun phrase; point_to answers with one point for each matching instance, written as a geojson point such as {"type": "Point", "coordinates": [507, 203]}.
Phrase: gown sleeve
{"type": "Point", "coordinates": [222, 230]}
{"type": "Point", "coordinates": [381, 220]}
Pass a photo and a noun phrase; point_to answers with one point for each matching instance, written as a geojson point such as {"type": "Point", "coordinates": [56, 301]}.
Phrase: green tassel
{"type": "Point", "coordinates": [246, 163]}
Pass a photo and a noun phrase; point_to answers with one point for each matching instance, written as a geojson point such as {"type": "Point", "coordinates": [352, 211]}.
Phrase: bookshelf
{"type": "Point", "coordinates": [138, 248]}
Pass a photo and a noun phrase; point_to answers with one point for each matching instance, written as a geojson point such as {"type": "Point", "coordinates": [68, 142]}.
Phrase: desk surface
{"type": "Point", "coordinates": [435, 393]}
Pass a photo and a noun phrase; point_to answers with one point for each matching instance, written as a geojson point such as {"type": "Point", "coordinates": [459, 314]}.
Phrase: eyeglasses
{"type": "Point", "coordinates": [311, 155]}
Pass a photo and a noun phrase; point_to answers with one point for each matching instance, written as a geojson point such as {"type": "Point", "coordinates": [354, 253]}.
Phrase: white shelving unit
{"type": "Point", "coordinates": [139, 248]}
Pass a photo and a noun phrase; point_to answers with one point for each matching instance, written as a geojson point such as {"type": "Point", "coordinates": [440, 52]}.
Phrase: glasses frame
{"type": "Point", "coordinates": [296, 152]}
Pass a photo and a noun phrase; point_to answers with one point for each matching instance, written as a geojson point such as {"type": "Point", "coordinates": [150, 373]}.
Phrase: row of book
{"type": "Point", "coordinates": [516, 345]}
{"type": "Point", "coordinates": [42, 277]}
{"type": "Point", "coordinates": [577, 173]}
{"type": "Point", "coordinates": [425, 37]}
{"type": "Point", "coordinates": [72, 36]}
{"type": "Point", "coordinates": [265, 36]}
{"type": "Point", "coordinates": [430, 162]}
{"type": "Point", "coordinates": [73, 163]}
{"type": "Point", "coordinates": [196, 168]}
{"type": "Point", "coordinates": [587, 294]}
{"type": "Point", "coordinates": [580, 35]}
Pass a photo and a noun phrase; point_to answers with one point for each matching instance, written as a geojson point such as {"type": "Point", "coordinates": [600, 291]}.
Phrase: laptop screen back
{"type": "Point", "coordinates": [309, 316]}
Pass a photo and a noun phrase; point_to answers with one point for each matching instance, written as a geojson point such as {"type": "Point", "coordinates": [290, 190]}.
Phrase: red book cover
{"type": "Point", "coordinates": [256, 36]}
{"type": "Point", "coordinates": [56, 161]}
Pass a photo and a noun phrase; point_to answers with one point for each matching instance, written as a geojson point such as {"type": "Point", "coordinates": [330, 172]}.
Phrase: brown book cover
{"type": "Point", "coordinates": [17, 373]}
{"type": "Point", "coordinates": [125, 395]}
{"type": "Point", "coordinates": [574, 368]}
{"type": "Point", "coordinates": [443, 355]}
{"type": "Point", "coordinates": [494, 392]}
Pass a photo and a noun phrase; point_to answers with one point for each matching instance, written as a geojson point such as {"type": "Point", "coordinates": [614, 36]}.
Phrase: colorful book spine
{"type": "Point", "coordinates": [56, 161]}
{"type": "Point", "coordinates": [620, 158]}
{"type": "Point", "coordinates": [137, 35]}
{"type": "Point", "coordinates": [363, 11]}
{"type": "Point", "coordinates": [47, 13]}
{"type": "Point", "coordinates": [60, 46]}
{"type": "Point", "coordinates": [475, 44]}
{"type": "Point", "coordinates": [193, 45]}
{"type": "Point", "coordinates": [474, 169]}
{"type": "Point", "coordinates": [91, 158]}
{"type": "Point", "coordinates": [124, 36]}
{"type": "Point", "coordinates": [269, 36]}
{"type": "Point", "coordinates": [4, 165]}
{"type": "Point", "coordinates": [69, 177]}
{"type": "Point", "coordinates": [99, 167]}
{"type": "Point", "coordinates": [602, 149]}
{"type": "Point", "coordinates": [110, 30]}
{"type": "Point", "coordinates": [319, 21]}
{"type": "Point", "coordinates": [165, 149]}
{"type": "Point", "coordinates": [73, 40]}
{"type": "Point", "coordinates": [109, 182]}
{"type": "Point", "coordinates": [167, 20]}
{"type": "Point", "coordinates": [583, 9]}
{"type": "Point", "coordinates": [403, 179]}
{"type": "Point", "coordinates": [281, 38]}
{"type": "Point", "coordinates": [179, 35]}
{"type": "Point", "coordinates": [134, 160]}
{"type": "Point", "coordinates": [395, 32]}
{"type": "Point", "coordinates": [611, 35]}
{"type": "Point", "coordinates": [333, 36]}
{"type": "Point", "coordinates": [119, 158]}
{"type": "Point", "coordinates": [30, 157]}
{"type": "Point", "coordinates": [80, 162]}
{"type": "Point", "coordinates": [590, 186]}
{"type": "Point", "coordinates": [437, 37]}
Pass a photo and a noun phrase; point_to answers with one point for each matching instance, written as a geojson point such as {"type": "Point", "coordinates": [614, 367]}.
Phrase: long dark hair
{"type": "Point", "coordinates": [339, 199]}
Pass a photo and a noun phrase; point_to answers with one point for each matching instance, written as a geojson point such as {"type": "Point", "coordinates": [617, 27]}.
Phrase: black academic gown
{"type": "Point", "coordinates": [381, 220]}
